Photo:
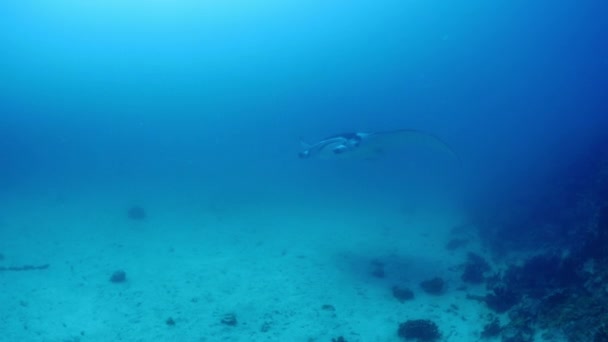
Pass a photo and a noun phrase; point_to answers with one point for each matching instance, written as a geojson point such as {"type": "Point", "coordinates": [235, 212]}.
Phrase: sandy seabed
{"type": "Point", "coordinates": [287, 270]}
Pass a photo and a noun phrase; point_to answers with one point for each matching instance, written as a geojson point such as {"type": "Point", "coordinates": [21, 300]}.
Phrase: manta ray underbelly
{"type": "Point", "coordinates": [334, 146]}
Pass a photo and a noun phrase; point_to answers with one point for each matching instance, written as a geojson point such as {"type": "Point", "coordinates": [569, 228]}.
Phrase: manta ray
{"type": "Point", "coordinates": [369, 145]}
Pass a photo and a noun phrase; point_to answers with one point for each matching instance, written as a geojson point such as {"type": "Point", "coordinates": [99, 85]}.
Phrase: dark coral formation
{"type": "Point", "coordinates": [434, 286]}
{"type": "Point", "coordinates": [328, 307]}
{"type": "Point", "coordinates": [501, 299]}
{"type": "Point", "coordinates": [475, 269]}
{"type": "Point", "coordinates": [118, 276]}
{"type": "Point", "coordinates": [541, 274]}
{"type": "Point", "coordinates": [421, 330]}
{"type": "Point", "coordinates": [560, 290]}
{"type": "Point", "coordinates": [492, 329]}
{"type": "Point", "coordinates": [601, 335]}
{"type": "Point", "coordinates": [402, 294]}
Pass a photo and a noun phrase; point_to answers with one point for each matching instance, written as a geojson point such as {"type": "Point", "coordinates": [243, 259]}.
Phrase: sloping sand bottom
{"type": "Point", "coordinates": [286, 270]}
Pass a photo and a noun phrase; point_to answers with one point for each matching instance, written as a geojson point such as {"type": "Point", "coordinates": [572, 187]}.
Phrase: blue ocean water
{"type": "Point", "coordinates": [193, 111]}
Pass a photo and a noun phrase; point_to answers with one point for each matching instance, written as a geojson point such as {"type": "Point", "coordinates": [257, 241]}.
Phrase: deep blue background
{"type": "Point", "coordinates": [220, 92]}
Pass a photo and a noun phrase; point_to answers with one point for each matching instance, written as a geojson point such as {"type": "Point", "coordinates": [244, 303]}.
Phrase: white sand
{"type": "Point", "coordinates": [272, 261]}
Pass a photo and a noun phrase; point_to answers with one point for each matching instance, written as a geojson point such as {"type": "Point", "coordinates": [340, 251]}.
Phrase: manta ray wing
{"type": "Point", "coordinates": [392, 140]}
{"type": "Point", "coordinates": [377, 144]}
